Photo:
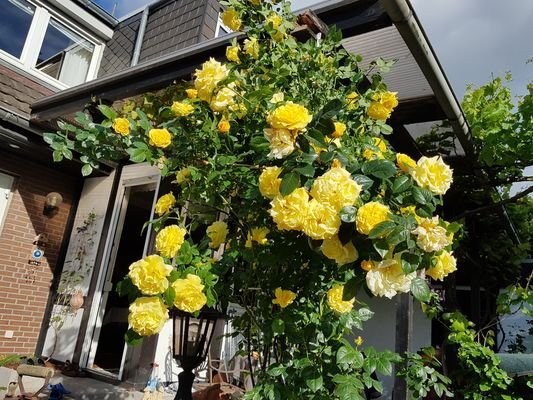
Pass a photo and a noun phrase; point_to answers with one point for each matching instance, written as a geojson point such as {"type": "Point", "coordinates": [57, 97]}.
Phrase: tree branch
{"type": "Point", "coordinates": [494, 205]}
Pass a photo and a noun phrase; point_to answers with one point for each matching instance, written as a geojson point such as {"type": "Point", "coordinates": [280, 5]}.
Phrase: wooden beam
{"type": "Point", "coordinates": [404, 333]}
{"type": "Point", "coordinates": [421, 109]}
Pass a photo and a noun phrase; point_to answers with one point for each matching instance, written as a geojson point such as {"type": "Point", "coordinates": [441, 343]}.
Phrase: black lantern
{"type": "Point", "coordinates": [192, 337]}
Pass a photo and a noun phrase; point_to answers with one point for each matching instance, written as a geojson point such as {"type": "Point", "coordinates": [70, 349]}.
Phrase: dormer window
{"type": "Point", "coordinates": [41, 42]}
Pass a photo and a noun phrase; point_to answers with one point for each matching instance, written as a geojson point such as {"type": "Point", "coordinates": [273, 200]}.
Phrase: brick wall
{"type": "Point", "coordinates": [24, 289]}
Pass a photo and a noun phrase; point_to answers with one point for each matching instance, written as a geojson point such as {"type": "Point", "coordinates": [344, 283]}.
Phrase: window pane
{"type": "Point", "coordinates": [15, 21]}
{"type": "Point", "coordinates": [65, 55]}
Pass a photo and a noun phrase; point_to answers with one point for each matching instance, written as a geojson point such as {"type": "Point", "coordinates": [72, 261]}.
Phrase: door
{"type": "Point", "coordinates": [127, 242]}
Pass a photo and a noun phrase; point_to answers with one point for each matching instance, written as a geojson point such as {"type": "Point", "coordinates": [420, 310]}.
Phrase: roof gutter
{"type": "Point", "coordinates": [403, 17]}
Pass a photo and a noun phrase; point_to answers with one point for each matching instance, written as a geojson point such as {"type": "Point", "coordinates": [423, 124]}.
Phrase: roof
{"type": "Point", "coordinates": [373, 28]}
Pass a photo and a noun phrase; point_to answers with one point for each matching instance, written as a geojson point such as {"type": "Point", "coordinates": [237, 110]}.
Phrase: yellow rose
{"type": "Point", "coordinates": [367, 265]}
{"type": "Point", "coordinates": [277, 98]}
{"type": "Point", "coordinates": [269, 182]}
{"type": "Point", "coordinates": [283, 297]}
{"type": "Point", "coordinates": [169, 240]}
{"type": "Point", "coordinates": [387, 278]}
{"type": "Point", "coordinates": [217, 233]}
{"type": "Point", "coordinates": [369, 215]}
{"type": "Point", "coordinates": [430, 235]}
{"type": "Point", "coordinates": [181, 109]}
{"type": "Point", "coordinates": [282, 142]}
{"type": "Point", "coordinates": [351, 100]}
{"type": "Point", "coordinates": [333, 249]}
{"type": "Point", "coordinates": [389, 100]}
{"type": "Point", "coordinates": [340, 128]}
{"type": "Point", "coordinates": [432, 173]}
{"type": "Point", "coordinates": [165, 203]}
{"type": "Point", "coordinates": [378, 111]}
{"type": "Point", "coordinates": [358, 341]}
{"type": "Point", "coordinates": [446, 264]}
{"type": "Point", "coordinates": [289, 116]}
{"type": "Point", "coordinates": [335, 301]}
{"type": "Point", "coordinates": [183, 175]}
{"type": "Point", "coordinates": [189, 293]}
{"type": "Point", "coordinates": [150, 274]}
{"type": "Point", "coordinates": [160, 137]}
{"type": "Point", "coordinates": [207, 78]}
{"type": "Point", "coordinates": [290, 212]}
{"type": "Point", "coordinates": [121, 126]}
{"type": "Point", "coordinates": [370, 154]}
{"type": "Point", "coordinates": [258, 235]}
{"type": "Point", "coordinates": [147, 315]}
{"type": "Point", "coordinates": [410, 210]}
{"type": "Point", "coordinates": [191, 93]}
{"type": "Point", "coordinates": [382, 105]}
{"type": "Point", "coordinates": [224, 126]}
{"type": "Point", "coordinates": [251, 47]}
{"type": "Point", "coordinates": [405, 163]}
{"type": "Point", "coordinates": [274, 19]}
{"type": "Point", "coordinates": [224, 98]}
{"type": "Point", "coordinates": [232, 19]}
{"type": "Point", "coordinates": [322, 221]}
{"type": "Point", "coordinates": [232, 54]}
{"type": "Point", "coordinates": [336, 188]}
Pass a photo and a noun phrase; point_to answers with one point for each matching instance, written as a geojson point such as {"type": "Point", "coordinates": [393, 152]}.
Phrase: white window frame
{"type": "Point", "coordinates": [8, 197]}
{"type": "Point", "coordinates": [34, 42]}
{"type": "Point", "coordinates": [220, 25]}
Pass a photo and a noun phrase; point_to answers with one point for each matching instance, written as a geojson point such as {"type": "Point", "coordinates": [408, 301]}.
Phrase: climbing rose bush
{"type": "Point", "coordinates": [285, 197]}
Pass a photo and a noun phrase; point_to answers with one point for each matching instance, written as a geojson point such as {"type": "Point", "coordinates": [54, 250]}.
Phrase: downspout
{"type": "Point", "coordinates": [140, 37]}
{"type": "Point", "coordinates": [402, 16]}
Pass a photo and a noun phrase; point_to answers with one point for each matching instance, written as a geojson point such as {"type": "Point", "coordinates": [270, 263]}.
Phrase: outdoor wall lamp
{"type": "Point", "coordinates": [192, 338]}
{"type": "Point", "coordinates": [51, 204]}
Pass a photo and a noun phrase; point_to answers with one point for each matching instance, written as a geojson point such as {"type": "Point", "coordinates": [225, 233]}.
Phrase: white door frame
{"type": "Point", "coordinates": [131, 175]}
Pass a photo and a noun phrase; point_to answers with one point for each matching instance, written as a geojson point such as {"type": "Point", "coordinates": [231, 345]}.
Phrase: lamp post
{"type": "Point", "coordinates": [192, 337]}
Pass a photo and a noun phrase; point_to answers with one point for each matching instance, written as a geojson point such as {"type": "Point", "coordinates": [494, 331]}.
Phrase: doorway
{"type": "Point", "coordinates": [129, 243]}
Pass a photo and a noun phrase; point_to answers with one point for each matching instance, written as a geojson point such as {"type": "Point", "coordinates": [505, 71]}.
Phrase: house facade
{"type": "Point", "coordinates": [96, 232]}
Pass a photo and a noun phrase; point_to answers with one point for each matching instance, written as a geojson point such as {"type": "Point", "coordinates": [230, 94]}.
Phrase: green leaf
{"type": "Point", "coordinates": [278, 326]}
{"type": "Point", "coordinates": [174, 275]}
{"type": "Point", "coordinates": [133, 338]}
{"type": "Point", "coordinates": [379, 168]}
{"type": "Point", "coordinates": [289, 182]}
{"type": "Point", "coordinates": [401, 184]}
{"type": "Point", "coordinates": [382, 247]}
{"type": "Point", "coordinates": [108, 112]}
{"type": "Point", "coordinates": [422, 196]}
{"type": "Point", "coordinates": [350, 289]}
{"type": "Point", "coordinates": [137, 155]}
{"type": "Point", "coordinates": [363, 180]}
{"type": "Point", "coordinates": [317, 138]}
{"type": "Point", "coordinates": [276, 370]}
{"type": "Point", "coordinates": [86, 170]}
{"type": "Point", "coordinates": [420, 289]}
{"type": "Point", "coordinates": [347, 214]}
{"type": "Point", "coordinates": [410, 262]}
{"type": "Point", "coordinates": [49, 137]}
{"type": "Point", "coordinates": [315, 382]}
{"type": "Point", "coordinates": [383, 366]}
{"type": "Point", "coordinates": [169, 295]}
{"type": "Point", "coordinates": [308, 171]}
{"type": "Point", "coordinates": [382, 229]}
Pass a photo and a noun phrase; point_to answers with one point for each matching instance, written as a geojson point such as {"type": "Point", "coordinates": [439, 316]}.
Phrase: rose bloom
{"type": "Point", "coordinates": [224, 98]}
{"type": "Point", "coordinates": [251, 47]}
{"type": "Point", "coordinates": [410, 210]}
{"type": "Point", "coordinates": [378, 111]}
{"type": "Point", "coordinates": [446, 264]}
{"type": "Point", "coordinates": [335, 301]}
{"type": "Point", "coordinates": [183, 175]}
{"type": "Point", "coordinates": [336, 188]}
{"type": "Point", "coordinates": [191, 93]}
{"type": "Point", "coordinates": [169, 240]}
{"type": "Point", "coordinates": [232, 54]}
{"type": "Point", "coordinates": [147, 315]}
{"type": "Point", "coordinates": [283, 297]}
{"type": "Point", "coordinates": [207, 78]}
{"type": "Point", "coordinates": [369, 215]}
{"type": "Point", "coordinates": [232, 19]}
{"type": "Point", "coordinates": [289, 212]}
{"type": "Point", "coordinates": [160, 137]}
{"type": "Point", "coordinates": [388, 279]}
{"type": "Point", "coordinates": [275, 19]}
{"type": "Point", "coordinates": [258, 235]}
{"type": "Point", "coordinates": [282, 142]}
{"type": "Point", "coordinates": [333, 249]}
{"type": "Point", "coordinates": [430, 236]}
{"type": "Point", "coordinates": [367, 265]}
{"type": "Point", "coordinates": [289, 116]}
{"type": "Point", "coordinates": [189, 293]}
{"type": "Point", "coordinates": [217, 232]}
{"type": "Point", "coordinates": [121, 126]}
{"type": "Point", "coordinates": [432, 173]}
{"type": "Point", "coordinates": [150, 274]}
{"type": "Point", "coordinates": [269, 182]}
{"type": "Point", "coordinates": [165, 203]}
{"type": "Point", "coordinates": [405, 163]}
{"type": "Point", "coordinates": [351, 100]}
{"type": "Point", "coordinates": [340, 128]}
{"type": "Point", "coordinates": [370, 154]}
{"type": "Point", "coordinates": [224, 126]}
{"type": "Point", "coordinates": [181, 109]}
{"type": "Point", "coordinates": [322, 221]}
